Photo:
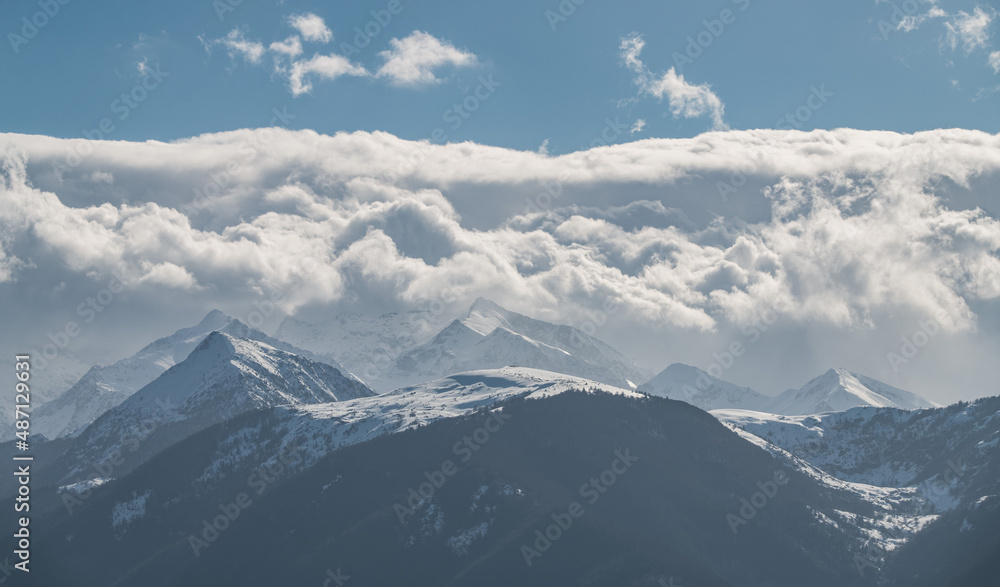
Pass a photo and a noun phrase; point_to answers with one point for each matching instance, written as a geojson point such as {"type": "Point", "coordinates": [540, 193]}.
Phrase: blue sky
{"type": "Point", "coordinates": [560, 85]}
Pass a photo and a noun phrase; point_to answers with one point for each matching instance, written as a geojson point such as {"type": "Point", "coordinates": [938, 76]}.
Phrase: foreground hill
{"type": "Point", "coordinates": [630, 490]}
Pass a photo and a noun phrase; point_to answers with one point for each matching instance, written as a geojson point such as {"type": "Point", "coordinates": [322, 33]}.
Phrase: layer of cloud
{"type": "Point", "coordinates": [409, 62]}
{"type": "Point", "coordinates": [970, 31]}
{"type": "Point", "coordinates": [328, 67]}
{"type": "Point", "coordinates": [290, 47]}
{"type": "Point", "coordinates": [413, 60]}
{"type": "Point", "coordinates": [857, 235]}
{"type": "Point", "coordinates": [686, 100]}
{"type": "Point", "coordinates": [854, 227]}
{"type": "Point", "coordinates": [962, 30]}
{"type": "Point", "coordinates": [912, 22]}
{"type": "Point", "coordinates": [311, 27]}
{"type": "Point", "coordinates": [238, 46]}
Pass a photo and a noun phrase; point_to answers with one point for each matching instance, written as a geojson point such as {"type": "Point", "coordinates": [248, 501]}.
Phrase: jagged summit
{"type": "Point", "coordinates": [218, 343]}
{"type": "Point", "coordinates": [839, 389]}
{"type": "Point", "coordinates": [103, 388]}
{"type": "Point", "coordinates": [489, 336]}
{"type": "Point", "coordinates": [694, 386]}
{"type": "Point", "coordinates": [485, 316]}
{"type": "Point", "coordinates": [215, 317]}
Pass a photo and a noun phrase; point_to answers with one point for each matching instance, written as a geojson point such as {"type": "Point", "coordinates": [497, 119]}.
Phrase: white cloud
{"type": "Point", "coordinates": [637, 126]}
{"type": "Point", "coordinates": [411, 61]}
{"type": "Point", "coordinates": [237, 45]}
{"type": "Point", "coordinates": [969, 30]}
{"type": "Point", "coordinates": [852, 229]}
{"type": "Point", "coordinates": [854, 233]}
{"type": "Point", "coordinates": [686, 100]}
{"type": "Point", "coordinates": [311, 27]}
{"type": "Point", "coordinates": [290, 47]}
{"type": "Point", "coordinates": [328, 67]}
{"type": "Point", "coordinates": [994, 61]}
{"type": "Point", "coordinates": [912, 22]}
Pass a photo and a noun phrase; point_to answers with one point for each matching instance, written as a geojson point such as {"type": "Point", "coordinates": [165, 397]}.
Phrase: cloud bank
{"type": "Point", "coordinates": [854, 228]}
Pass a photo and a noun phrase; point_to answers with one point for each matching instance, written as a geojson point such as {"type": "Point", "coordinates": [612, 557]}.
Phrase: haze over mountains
{"type": "Point", "coordinates": [838, 480]}
{"type": "Point", "coordinates": [103, 388]}
{"type": "Point", "coordinates": [486, 336]}
{"type": "Point", "coordinates": [410, 348]}
{"type": "Point", "coordinates": [834, 391]}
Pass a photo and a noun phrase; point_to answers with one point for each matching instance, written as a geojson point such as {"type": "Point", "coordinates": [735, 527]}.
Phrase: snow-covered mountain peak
{"type": "Point", "coordinates": [217, 343]}
{"type": "Point", "coordinates": [694, 386]}
{"type": "Point", "coordinates": [839, 389]}
{"type": "Point", "coordinates": [223, 377]}
{"type": "Point", "coordinates": [485, 316]}
{"type": "Point", "coordinates": [215, 320]}
{"type": "Point", "coordinates": [103, 388]}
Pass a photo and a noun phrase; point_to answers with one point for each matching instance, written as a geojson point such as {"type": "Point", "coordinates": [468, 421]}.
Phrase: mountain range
{"type": "Point", "coordinates": [834, 391]}
{"type": "Point", "coordinates": [457, 450]}
{"type": "Point", "coordinates": [103, 388]}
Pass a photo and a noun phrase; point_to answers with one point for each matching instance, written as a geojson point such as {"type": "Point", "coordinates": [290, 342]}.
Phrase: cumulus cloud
{"type": "Point", "coordinates": [686, 100]}
{"type": "Point", "coordinates": [237, 45]}
{"type": "Point", "coordinates": [994, 61]}
{"type": "Point", "coordinates": [327, 67]}
{"type": "Point", "coordinates": [311, 27]}
{"type": "Point", "coordinates": [409, 62]}
{"type": "Point", "coordinates": [290, 47]}
{"type": "Point", "coordinates": [412, 61]}
{"type": "Point", "coordinates": [299, 72]}
{"type": "Point", "coordinates": [971, 31]}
